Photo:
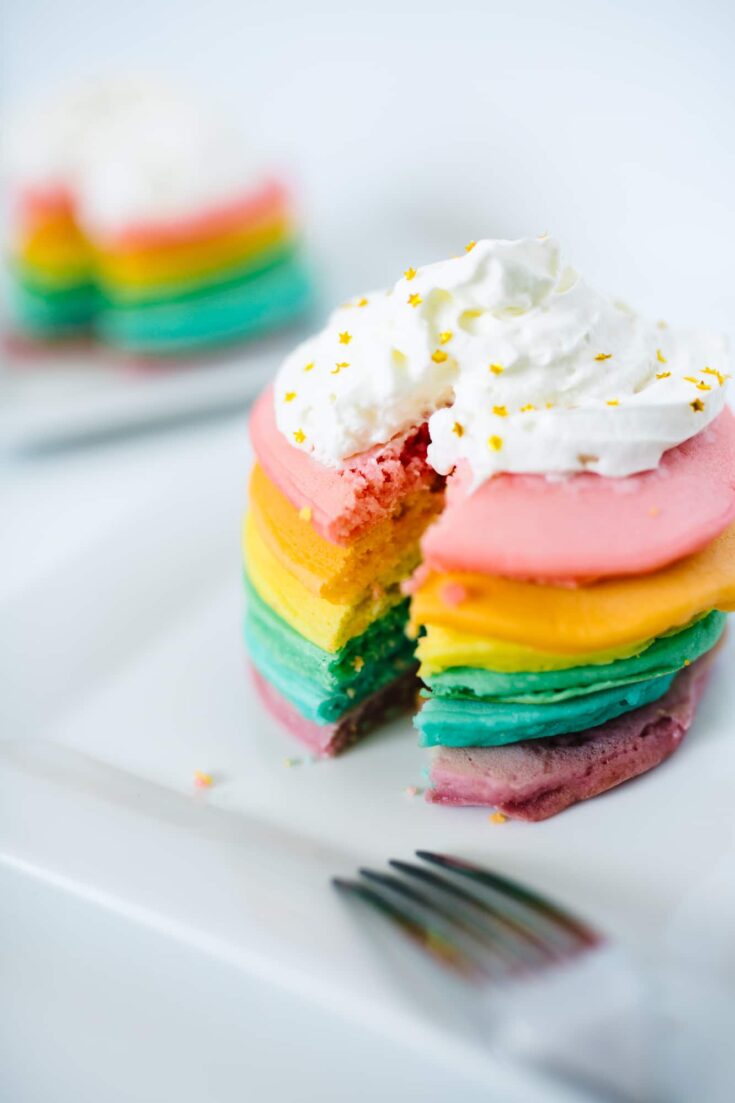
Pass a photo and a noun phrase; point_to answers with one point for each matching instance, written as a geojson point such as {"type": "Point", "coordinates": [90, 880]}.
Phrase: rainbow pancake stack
{"type": "Point", "coordinates": [574, 588]}
{"type": "Point", "coordinates": [326, 551]}
{"type": "Point", "coordinates": [136, 218]}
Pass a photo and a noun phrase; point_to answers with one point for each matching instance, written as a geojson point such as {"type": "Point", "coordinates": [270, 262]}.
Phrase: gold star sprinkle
{"type": "Point", "coordinates": [289, 396]}
{"type": "Point", "coordinates": [497, 817]}
{"type": "Point", "coordinates": [447, 335]}
{"type": "Point", "coordinates": [497, 369]}
{"type": "Point", "coordinates": [697, 383]}
{"type": "Point", "coordinates": [697, 405]}
{"type": "Point", "coordinates": [439, 356]}
{"type": "Point", "coordinates": [362, 302]}
{"type": "Point", "coordinates": [470, 246]}
{"type": "Point", "coordinates": [414, 300]}
{"type": "Point", "coordinates": [495, 443]}
{"type": "Point", "coordinates": [299, 436]}
{"type": "Point", "coordinates": [338, 367]}
{"type": "Point", "coordinates": [604, 356]}
{"type": "Point", "coordinates": [612, 402]}
{"type": "Point", "coordinates": [527, 407]}
{"type": "Point", "coordinates": [410, 273]}
{"type": "Point", "coordinates": [663, 374]}
{"type": "Point", "coordinates": [309, 366]}
{"type": "Point", "coordinates": [458, 429]}
{"type": "Point", "coordinates": [500, 411]}
{"type": "Point", "coordinates": [660, 357]}
{"type": "Point", "coordinates": [305, 513]}
{"type": "Point", "coordinates": [345, 338]}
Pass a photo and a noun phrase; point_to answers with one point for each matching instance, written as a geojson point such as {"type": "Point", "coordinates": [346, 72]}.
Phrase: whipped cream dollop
{"type": "Point", "coordinates": [518, 364]}
{"type": "Point", "coordinates": [129, 150]}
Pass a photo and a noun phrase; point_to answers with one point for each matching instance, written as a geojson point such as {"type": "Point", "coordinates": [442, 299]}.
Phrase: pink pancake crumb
{"type": "Point", "coordinates": [587, 526]}
{"type": "Point", "coordinates": [536, 778]}
{"type": "Point", "coordinates": [345, 502]}
{"type": "Point", "coordinates": [327, 740]}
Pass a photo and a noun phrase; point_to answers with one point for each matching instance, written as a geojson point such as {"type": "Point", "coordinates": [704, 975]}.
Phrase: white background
{"type": "Point", "coordinates": [413, 127]}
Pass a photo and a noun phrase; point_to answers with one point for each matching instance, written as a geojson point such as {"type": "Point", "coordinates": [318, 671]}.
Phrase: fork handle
{"type": "Point", "coordinates": [587, 1024]}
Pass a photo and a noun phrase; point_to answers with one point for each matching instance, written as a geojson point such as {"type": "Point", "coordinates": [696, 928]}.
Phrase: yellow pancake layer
{"type": "Point", "coordinates": [387, 554]}
{"type": "Point", "coordinates": [189, 260]}
{"type": "Point", "coordinates": [605, 615]}
{"type": "Point", "coordinates": [58, 250]}
{"type": "Point", "coordinates": [442, 648]}
{"type": "Point", "coordinates": [328, 624]}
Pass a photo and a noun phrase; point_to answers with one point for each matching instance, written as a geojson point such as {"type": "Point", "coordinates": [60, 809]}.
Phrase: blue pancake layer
{"type": "Point", "coordinates": [324, 685]}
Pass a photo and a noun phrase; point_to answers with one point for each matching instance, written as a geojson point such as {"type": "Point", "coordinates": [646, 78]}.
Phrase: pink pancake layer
{"type": "Point", "coordinates": [40, 202]}
{"type": "Point", "coordinates": [348, 501]}
{"type": "Point", "coordinates": [268, 200]}
{"type": "Point", "coordinates": [537, 778]}
{"type": "Point", "coordinates": [586, 526]}
{"type": "Point", "coordinates": [328, 740]}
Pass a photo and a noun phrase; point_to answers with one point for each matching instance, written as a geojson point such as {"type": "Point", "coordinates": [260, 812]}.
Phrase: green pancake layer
{"type": "Point", "coordinates": [665, 655]}
{"type": "Point", "coordinates": [324, 685]}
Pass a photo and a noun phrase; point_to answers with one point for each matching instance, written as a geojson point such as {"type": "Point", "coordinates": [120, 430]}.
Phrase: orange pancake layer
{"type": "Point", "coordinates": [588, 618]}
{"type": "Point", "coordinates": [386, 554]}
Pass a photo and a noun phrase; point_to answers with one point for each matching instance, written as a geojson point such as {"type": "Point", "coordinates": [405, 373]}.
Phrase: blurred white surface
{"type": "Point", "coordinates": [410, 128]}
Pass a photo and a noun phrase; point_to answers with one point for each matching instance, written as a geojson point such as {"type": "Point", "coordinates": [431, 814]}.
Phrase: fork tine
{"type": "Point", "coordinates": [517, 938]}
{"type": "Point", "coordinates": [479, 943]}
{"type": "Point", "coordinates": [432, 940]}
{"type": "Point", "coordinates": [581, 932]}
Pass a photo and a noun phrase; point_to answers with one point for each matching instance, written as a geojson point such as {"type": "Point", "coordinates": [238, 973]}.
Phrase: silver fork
{"type": "Point", "coordinates": [543, 987]}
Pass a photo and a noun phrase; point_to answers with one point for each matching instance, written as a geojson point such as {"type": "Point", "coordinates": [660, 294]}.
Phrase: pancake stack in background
{"type": "Point", "coordinates": [573, 589]}
{"type": "Point", "coordinates": [138, 217]}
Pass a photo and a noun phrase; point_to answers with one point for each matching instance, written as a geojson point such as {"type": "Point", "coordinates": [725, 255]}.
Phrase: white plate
{"type": "Point", "coordinates": [128, 674]}
{"type": "Point", "coordinates": [50, 398]}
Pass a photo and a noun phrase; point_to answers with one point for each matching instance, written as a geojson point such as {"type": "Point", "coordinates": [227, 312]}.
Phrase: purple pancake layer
{"type": "Point", "coordinates": [537, 778]}
{"type": "Point", "coordinates": [330, 739]}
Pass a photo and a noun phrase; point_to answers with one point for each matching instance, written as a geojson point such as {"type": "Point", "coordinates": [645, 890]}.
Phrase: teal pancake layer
{"type": "Point", "coordinates": [47, 311]}
{"type": "Point", "coordinates": [323, 685]}
{"type": "Point", "coordinates": [462, 722]}
{"type": "Point", "coordinates": [665, 655]}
